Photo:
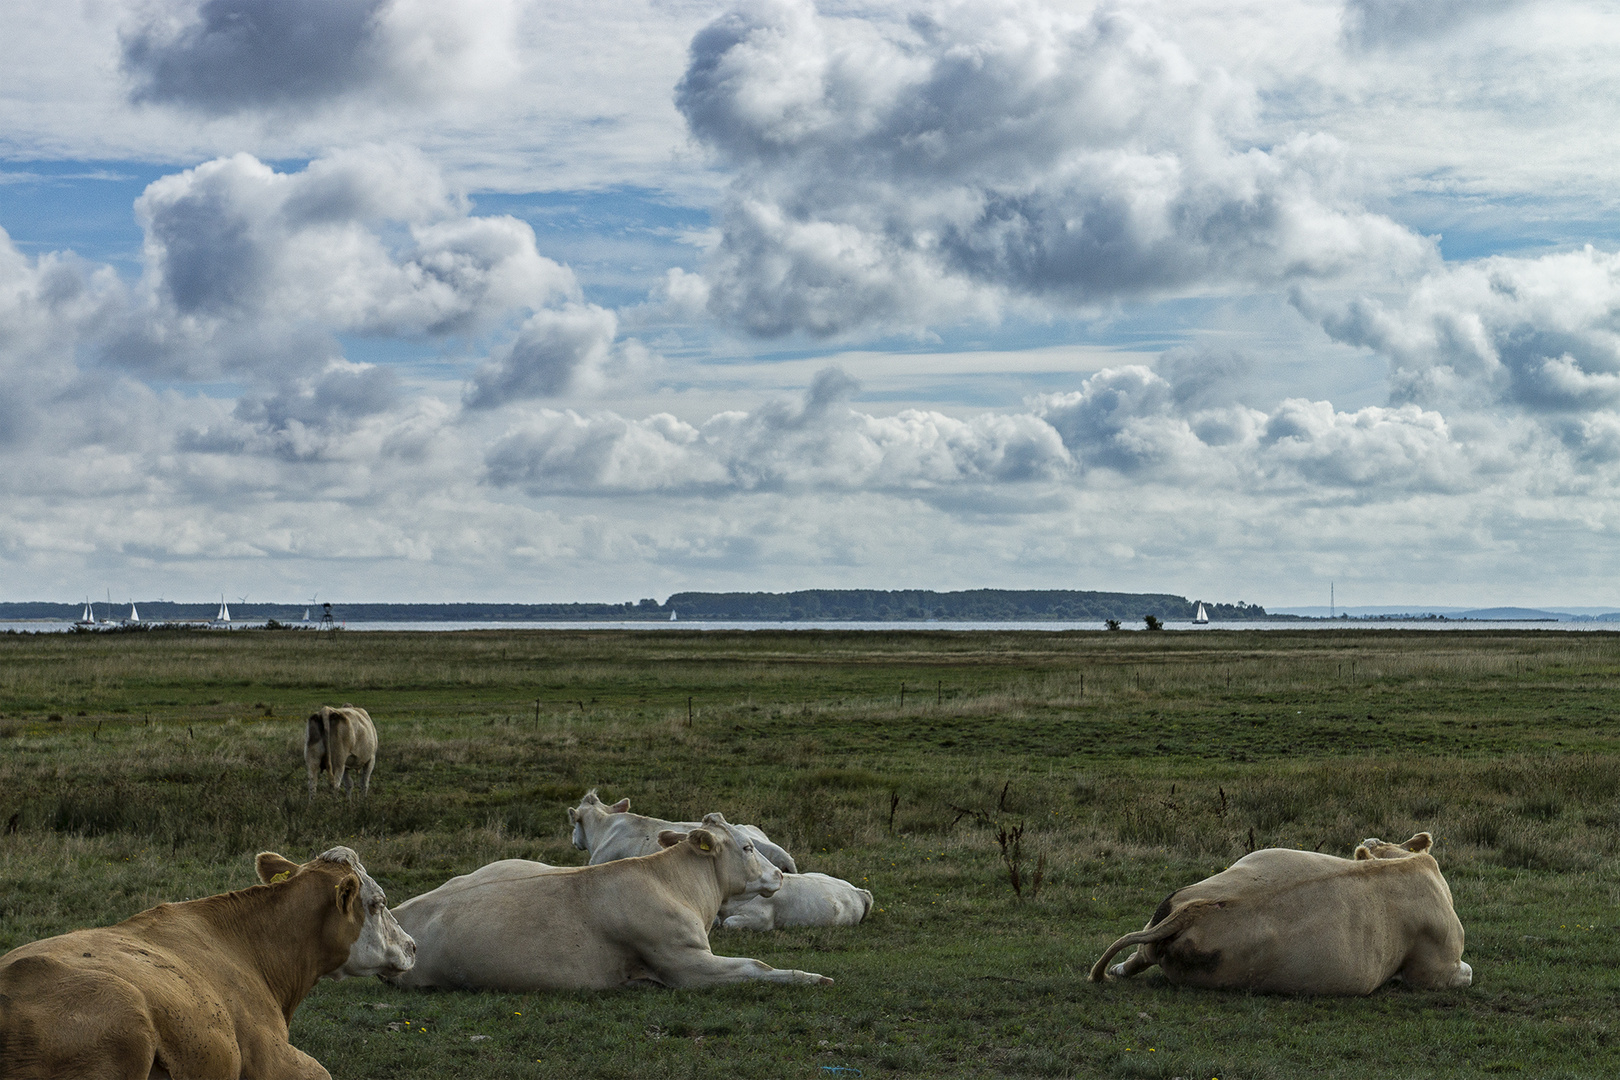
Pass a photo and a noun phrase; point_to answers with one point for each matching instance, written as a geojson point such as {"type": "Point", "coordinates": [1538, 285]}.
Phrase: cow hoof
{"type": "Point", "coordinates": [1117, 971]}
{"type": "Point", "coordinates": [825, 981]}
{"type": "Point", "coordinates": [1464, 976]}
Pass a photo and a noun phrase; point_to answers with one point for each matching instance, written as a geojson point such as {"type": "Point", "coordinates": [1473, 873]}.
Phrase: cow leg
{"type": "Point", "coordinates": [340, 774]}
{"type": "Point", "coordinates": [365, 777]}
{"type": "Point", "coordinates": [272, 1059]}
{"type": "Point", "coordinates": [751, 917]}
{"type": "Point", "coordinates": [1434, 973]}
{"type": "Point", "coordinates": [696, 967]}
{"type": "Point", "coordinates": [1138, 962]}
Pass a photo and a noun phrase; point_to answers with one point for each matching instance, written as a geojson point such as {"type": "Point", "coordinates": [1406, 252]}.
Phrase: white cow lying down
{"type": "Point", "coordinates": [519, 926]}
{"type": "Point", "coordinates": [1299, 922]}
{"type": "Point", "coordinates": [803, 900]}
{"type": "Point", "coordinates": [612, 832]}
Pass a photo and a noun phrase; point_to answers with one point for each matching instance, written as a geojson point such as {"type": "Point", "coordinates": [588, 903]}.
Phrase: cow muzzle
{"type": "Point", "coordinates": [767, 883]}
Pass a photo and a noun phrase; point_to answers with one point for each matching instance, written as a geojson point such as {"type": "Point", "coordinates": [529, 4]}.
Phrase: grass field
{"type": "Point", "coordinates": [138, 768]}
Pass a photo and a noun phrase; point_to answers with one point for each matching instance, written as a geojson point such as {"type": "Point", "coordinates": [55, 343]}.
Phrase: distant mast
{"type": "Point", "coordinates": [1202, 616]}
{"type": "Point", "coordinates": [1330, 600]}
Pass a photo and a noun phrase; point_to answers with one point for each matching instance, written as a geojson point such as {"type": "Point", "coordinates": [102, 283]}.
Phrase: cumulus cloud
{"type": "Point", "coordinates": [55, 309]}
{"type": "Point", "coordinates": [818, 443]}
{"type": "Point", "coordinates": [252, 271]}
{"type": "Point", "coordinates": [1539, 334]}
{"type": "Point", "coordinates": [226, 56]}
{"type": "Point", "coordinates": [550, 351]}
{"type": "Point", "coordinates": [939, 164]}
{"type": "Point", "coordinates": [233, 237]}
{"type": "Point", "coordinates": [1127, 423]}
{"type": "Point", "coordinates": [1371, 450]}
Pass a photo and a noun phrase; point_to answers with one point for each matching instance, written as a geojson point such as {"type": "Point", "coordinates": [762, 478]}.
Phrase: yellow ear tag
{"type": "Point", "coordinates": [704, 844]}
{"type": "Point", "coordinates": [283, 876]}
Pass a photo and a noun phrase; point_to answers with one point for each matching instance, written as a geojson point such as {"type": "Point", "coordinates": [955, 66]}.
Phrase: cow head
{"type": "Point", "coordinates": [594, 807]}
{"type": "Point", "coordinates": [382, 947]}
{"type": "Point", "coordinates": [1374, 848]}
{"type": "Point", "coordinates": [742, 871]}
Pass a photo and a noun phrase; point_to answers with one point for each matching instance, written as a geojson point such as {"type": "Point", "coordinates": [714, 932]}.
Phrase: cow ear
{"type": "Point", "coordinates": [1421, 842]}
{"type": "Point", "coordinates": [348, 890]}
{"type": "Point", "coordinates": [619, 807]}
{"type": "Point", "coordinates": [272, 867]}
{"type": "Point", "coordinates": [1362, 852]}
{"type": "Point", "coordinates": [669, 838]}
{"type": "Point", "coordinates": [703, 840]}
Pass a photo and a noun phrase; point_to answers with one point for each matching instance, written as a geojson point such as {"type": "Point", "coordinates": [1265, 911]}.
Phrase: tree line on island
{"type": "Point", "coordinates": [839, 605]}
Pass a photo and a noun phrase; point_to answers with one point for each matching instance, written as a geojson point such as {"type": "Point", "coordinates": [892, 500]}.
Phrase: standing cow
{"type": "Point", "coordinates": [1300, 922]}
{"type": "Point", "coordinates": [338, 740]}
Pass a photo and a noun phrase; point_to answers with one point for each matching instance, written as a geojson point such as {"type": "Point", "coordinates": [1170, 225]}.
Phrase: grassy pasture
{"type": "Point", "coordinates": [137, 768]}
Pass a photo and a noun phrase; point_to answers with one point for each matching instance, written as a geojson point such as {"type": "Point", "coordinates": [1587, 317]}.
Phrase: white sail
{"type": "Point", "coordinates": [224, 612]}
{"type": "Point", "coordinates": [89, 616]}
{"type": "Point", "coordinates": [306, 614]}
{"type": "Point", "coordinates": [134, 616]}
{"type": "Point", "coordinates": [672, 616]}
{"type": "Point", "coordinates": [1202, 616]}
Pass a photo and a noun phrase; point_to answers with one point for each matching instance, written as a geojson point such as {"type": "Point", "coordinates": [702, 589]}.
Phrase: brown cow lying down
{"type": "Point", "coordinates": [337, 740]}
{"type": "Point", "coordinates": [202, 989]}
{"type": "Point", "coordinates": [1299, 922]}
{"type": "Point", "coordinates": [526, 926]}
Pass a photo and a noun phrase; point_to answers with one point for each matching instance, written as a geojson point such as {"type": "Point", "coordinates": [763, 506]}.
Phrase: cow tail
{"type": "Point", "coordinates": [326, 742]}
{"type": "Point", "coordinates": [1180, 918]}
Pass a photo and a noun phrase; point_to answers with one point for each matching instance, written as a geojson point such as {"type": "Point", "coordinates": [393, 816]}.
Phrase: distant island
{"type": "Point", "coordinates": [856, 605]}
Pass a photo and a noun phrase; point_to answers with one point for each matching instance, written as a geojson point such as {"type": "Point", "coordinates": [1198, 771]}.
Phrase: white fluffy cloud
{"type": "Point", "coordinates": [1535, 334]}
{"type": "Point", "coordinates": [1127, 423]}
{"type": "Point", "coordinates": [938, 163]}
{"type": "Point", "coordinates": [551, 350]}
{"type": "Point", "coordinates": [224, 56]}
{"type": "Point", "coordinates": [251, 274]}
{"type": "Point", "coordinates": [364, 241]}
{"type": "Point", "coordinates": [821, 443]}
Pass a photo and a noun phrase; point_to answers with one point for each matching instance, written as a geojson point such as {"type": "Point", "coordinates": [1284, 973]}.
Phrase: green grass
{"type": "Point", "coordinates": [1136, 762]}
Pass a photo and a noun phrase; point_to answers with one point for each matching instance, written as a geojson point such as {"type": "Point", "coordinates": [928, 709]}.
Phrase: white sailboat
{"type": "Point", "coordinates": [134, 616]}
{"type": "Point", "coordinates": [672, 616]}
{"type": "Point", "coordinates": [88, 618]}
{"type": "Point", "coordinates": [1202, 616]}
{"type": "Point", "coordinates": [224, 615]}
{"type": "Point", "coordinates": [306, 614]}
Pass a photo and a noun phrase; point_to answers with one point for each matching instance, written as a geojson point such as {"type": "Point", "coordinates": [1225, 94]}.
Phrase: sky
{"type": "Point", "coordinates": [545, 300]}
